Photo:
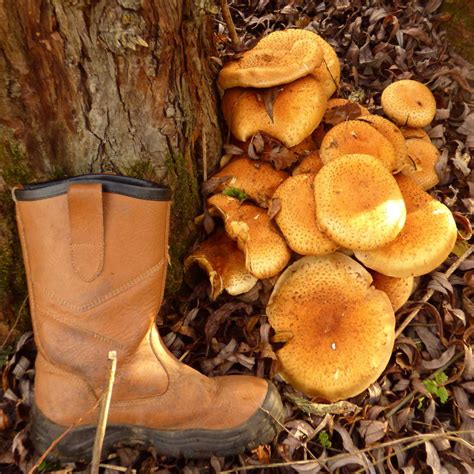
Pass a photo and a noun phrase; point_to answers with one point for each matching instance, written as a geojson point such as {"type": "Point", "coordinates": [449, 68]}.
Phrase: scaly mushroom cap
{"type": "Point", "coordinates": [220, 257]}
{"type": "Point", "coordinates": [424, 243]}
{"type": "Point", "coordinates": [279, 58]}
{"type": "Point", "coordinates": [409, 103]}
{"type": "Point", "coordinates": [410, 132]}
{"type": "Point", "coordinates": [297, 111]}
{"type": "Point", "coordinates": [421, 165]}
{"type": "Point", "coordinates": [343, 329]}
{"type": "Point", "coordinates": [297, 217]}
{"type": "Point", "coordinates": [257, 179]}
{"type": "Point", "coordinates": [357, 137]}
{"type": "Point", "coordinates": [358, 203]}
{"type": "Point", "coordinates": [309, 164]}
{"type": "Point", "coordinates": [398, 290]}
{"type": "Point", "coordinates": [393, 134]}
{"type": "Point", "coordinates": [265, 250]}
{"type": "Point", "coordinates": [329, 72]}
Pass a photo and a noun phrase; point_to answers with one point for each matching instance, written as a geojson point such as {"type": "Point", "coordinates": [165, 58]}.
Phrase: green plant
{"type": "Point", "coordinates": [323, 438]}
{"type": "Point", "coordinates": [235, 193]}
{"type": "Point", "coordinates": [435, 386]}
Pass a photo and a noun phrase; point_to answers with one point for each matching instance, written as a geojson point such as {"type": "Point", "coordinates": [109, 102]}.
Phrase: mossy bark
{"type": "Point", "coordinates": [123, 86]}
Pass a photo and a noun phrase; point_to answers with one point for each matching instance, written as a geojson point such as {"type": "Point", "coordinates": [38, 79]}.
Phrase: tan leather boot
{"type": "Point", "coordinates": [95, 255]}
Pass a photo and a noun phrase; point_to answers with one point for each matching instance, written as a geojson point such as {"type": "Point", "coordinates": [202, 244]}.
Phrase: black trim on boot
{"type": "Point", "coordinates": [132, 187]}
{"type": "Point", "coordinates": [77, 445]}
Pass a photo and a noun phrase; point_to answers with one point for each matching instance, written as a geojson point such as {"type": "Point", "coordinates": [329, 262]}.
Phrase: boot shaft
{"type": "Point", "coordinates": [95, 251]}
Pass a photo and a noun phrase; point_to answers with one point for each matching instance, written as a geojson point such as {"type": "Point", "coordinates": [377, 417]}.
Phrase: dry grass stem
{"type": "Point", "coordinates": [103, 414]}
{"type": "Point", "coordinates": [417, 439]}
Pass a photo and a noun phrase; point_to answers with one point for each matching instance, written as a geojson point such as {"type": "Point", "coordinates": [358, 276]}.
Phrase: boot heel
{"type": "Point", "coordinates": [76, 445]}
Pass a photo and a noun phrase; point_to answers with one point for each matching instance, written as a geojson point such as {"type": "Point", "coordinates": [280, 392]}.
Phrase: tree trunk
{"type": "Point", "coordinates": [123, 86]}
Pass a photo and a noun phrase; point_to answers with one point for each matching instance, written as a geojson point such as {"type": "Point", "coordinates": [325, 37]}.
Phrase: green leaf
{"type": "Point", "coordinates": [420, 403]}
{"type": "Point", "coordinates": [323, 438]}
{"type": "Point", "coordinates": [435, 386]}
{"type": "Point", "coordinates": [431, 386]}
{"type": "Point", "coordinates": [443, 395]}
{"type": "Point", "coordinates": [441, 378]}
{"type": "Point", "coordinates": [235, 193]}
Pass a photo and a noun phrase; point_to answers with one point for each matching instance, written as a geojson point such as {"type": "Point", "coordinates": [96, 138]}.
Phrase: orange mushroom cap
{"type": "Point", "coordinates": [343, 329]}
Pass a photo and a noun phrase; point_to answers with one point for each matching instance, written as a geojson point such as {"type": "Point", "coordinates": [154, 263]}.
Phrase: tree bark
{"type": "Point", "coordinates": [123, 86]}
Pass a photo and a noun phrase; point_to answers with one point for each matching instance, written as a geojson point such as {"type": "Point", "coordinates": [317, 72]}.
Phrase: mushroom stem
{"type": "Point", "coordinates": [430, 292]}
{"type": "Point", "coordinates": [234, 37]}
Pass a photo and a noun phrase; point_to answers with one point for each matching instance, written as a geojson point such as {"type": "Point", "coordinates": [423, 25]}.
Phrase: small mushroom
{"type": "Point", "coordinates": [357, 137]}
{"type": "Point", "coordinates": [224, 263]}
{"type": "Point", "coordinates": [278, 58]}
{"type": "Point", "coordinates": [421, 166]}
{"type": "Point", "coordinates": [358, 202]}
{"type": "Point", "coordinates": [257, 179]}
{"type": "Point", "coordinates": [329, 72]}
{"type": "Point", "coordinates": [297, 111]}
{"type": "Point", "coordinates": [398, 290]}
{"type": "Point", "coordinates": [297, 217]}
{"type": "Point", "coordinates": [342, 328]}
{"type": "Point", "coordinates": [409, 103]}
{"type": "Point", "coordinates": [425, 241]}
{"type": "Point", "coordinates": [393, 134]}
{"type": "Point", "coordinates": [265, 250]}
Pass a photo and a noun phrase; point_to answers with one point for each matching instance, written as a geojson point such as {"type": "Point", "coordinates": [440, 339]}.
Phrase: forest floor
{"type": "Point", "coordinates": [417, 416]}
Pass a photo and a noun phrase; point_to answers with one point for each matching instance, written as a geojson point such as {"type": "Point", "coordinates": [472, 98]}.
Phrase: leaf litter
{"type": "Point", "coordinates": [418, 417]}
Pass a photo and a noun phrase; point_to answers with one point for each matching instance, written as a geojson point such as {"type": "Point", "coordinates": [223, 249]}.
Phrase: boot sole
{"type": "Point", "coordinates": [77, 445]}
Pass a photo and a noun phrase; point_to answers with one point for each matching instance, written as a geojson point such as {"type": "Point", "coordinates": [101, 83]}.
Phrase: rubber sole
{"type": "Point", "coordinates": [76, 446]}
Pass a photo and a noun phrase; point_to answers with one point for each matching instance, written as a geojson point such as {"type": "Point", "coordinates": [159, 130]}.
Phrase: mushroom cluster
{"type": "Point", "coordinates": [340, 219]}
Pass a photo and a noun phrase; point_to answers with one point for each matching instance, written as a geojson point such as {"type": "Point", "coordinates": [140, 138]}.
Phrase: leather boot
{"type": "Point", "coordinates": [95, 252]}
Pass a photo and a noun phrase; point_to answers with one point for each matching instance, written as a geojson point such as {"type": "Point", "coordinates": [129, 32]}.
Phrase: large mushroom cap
{"type": "Point", "coordinates": [257, 179]}
{"type": "Point", "coordinates": [424, 243]}
{"type": "Point", "coordinates": [398, 290]}
{"type": "Point", "coordinates": [393, 134]}
{"type": "Point", "coordinates": [358, 203]}
{"type": "Point", "coordinates": [329, 72]}
{"type": "Point", "coordinates": [354, 137]}
{"type": "Point", "coordinates": [297, 217]}
{"type": "Point", "coordinates": [421, 165]}
{"type": "Point", "coordinates": [224, 263]}
{"type": "Point", "coordinates": [297, 111]}
{"type": "Point", "coordinates": [343, 329]}
{"type": "Point", "coordinates": [278, 58]}
{"type": "Point", "coordinates": [409, 103]}
{"type": "Point", "coordinates": [266, 252]}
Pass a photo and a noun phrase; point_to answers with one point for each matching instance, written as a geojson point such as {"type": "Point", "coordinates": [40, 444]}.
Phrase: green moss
{"type": "Point", "coordinates": [14, 169]}
{"type": "Point", "coordinates": [142, 169]}
{"type": "Point", "coordinates": [185, 206]}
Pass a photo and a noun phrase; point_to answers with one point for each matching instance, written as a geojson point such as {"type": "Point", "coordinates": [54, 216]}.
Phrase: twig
{"type": "Point", "coordinates": [419, 438]}
{"type": "Point", "coordinates": [118, 468]}
{"type": "Point", "coordinates": [234, 37]}
{"type": "Point", "coordinates": [430, 292]}
{"type": "Point", "coordinates": [103, 415]}
{"type": "Point", "coordinates": [15, 324]}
